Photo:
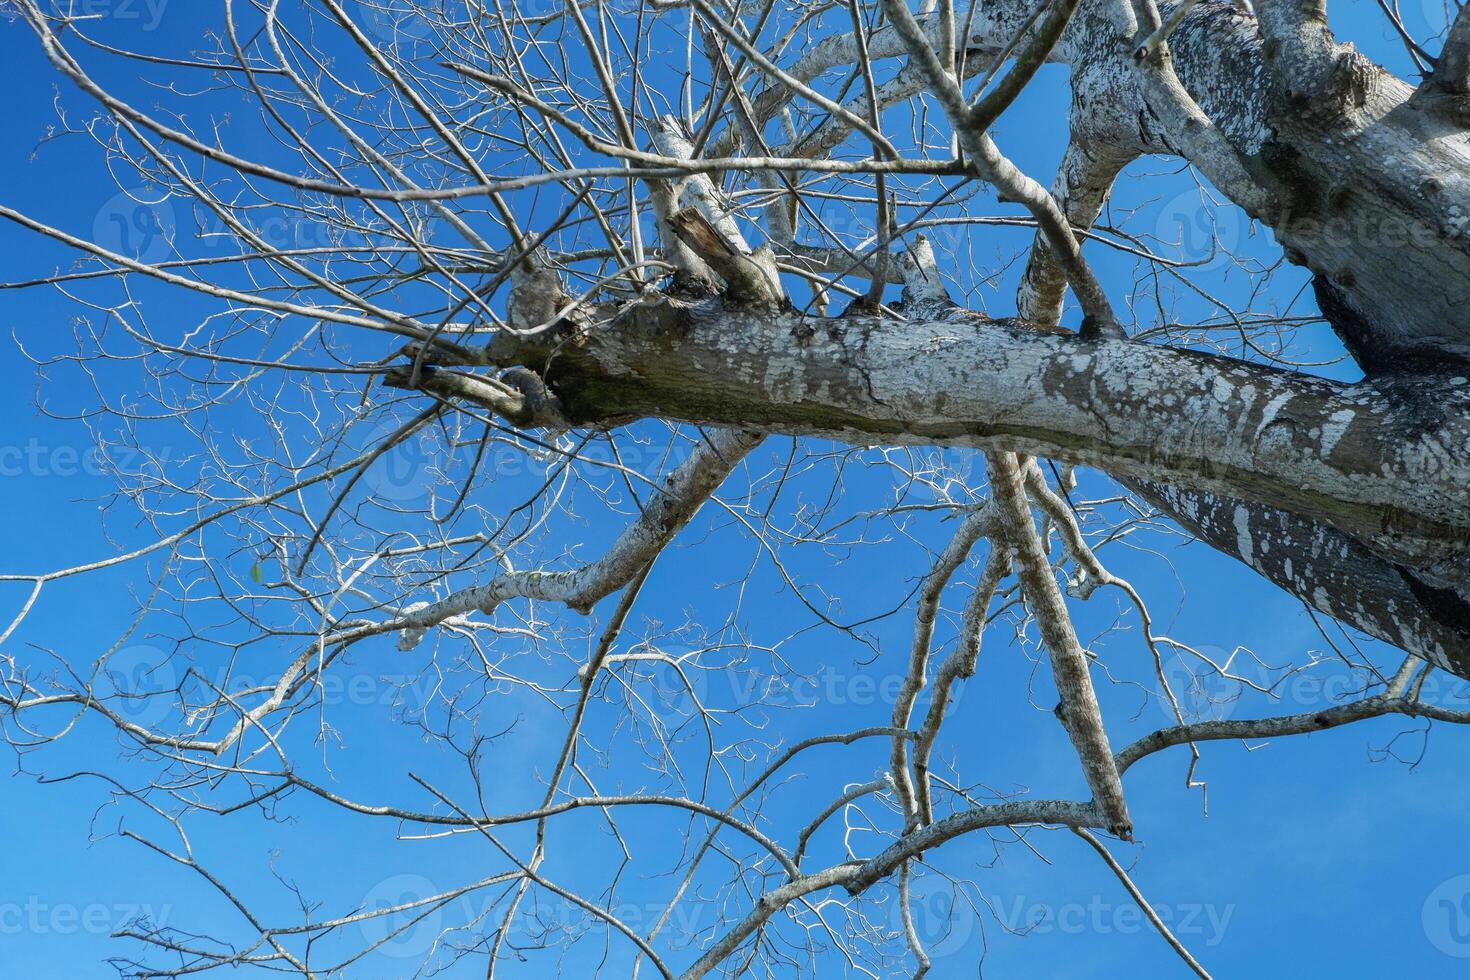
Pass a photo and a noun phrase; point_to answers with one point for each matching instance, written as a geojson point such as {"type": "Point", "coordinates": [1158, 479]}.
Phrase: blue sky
{"type": "Point", "coordinates": [1317, 856]}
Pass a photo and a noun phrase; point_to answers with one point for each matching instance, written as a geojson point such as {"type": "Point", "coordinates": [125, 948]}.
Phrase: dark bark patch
{"type": "Point", "coordinates": [1447, 606]}
{"type": "Point", "coordinates": [1356, 333]}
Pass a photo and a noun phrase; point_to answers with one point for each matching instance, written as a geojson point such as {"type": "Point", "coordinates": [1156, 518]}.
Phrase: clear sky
{"type": "Point", "coordinates": [1318, 855]}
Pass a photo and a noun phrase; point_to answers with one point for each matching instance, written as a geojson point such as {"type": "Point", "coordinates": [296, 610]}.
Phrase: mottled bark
{"type": "Point", "coordinates": [1366, 188]}
{"type": "Point", "coordinates": [1363, 180]}
{"type": "Point", "coordinates": [1328, 570]}
{"type": "Point", "coordinates": [1383, 463]}
{"type": "Point", "coordinates": [1081, 187]}
{"type": "Point", "coordinates": [1384, 460]}
{"type": "Point", "coordinates": [1362, 183]}
{"type": "Point", "coordinates": [1369, 191]}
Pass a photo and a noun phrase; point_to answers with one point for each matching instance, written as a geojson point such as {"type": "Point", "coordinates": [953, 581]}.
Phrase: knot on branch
{"type": "Point", "coordinates": [411, 636]}
{"type": "Point", "coordinates": [540, 408]}
{"type": "Point", "coordinates": [1352, 78]}
{"type": "Point", "coordinates": [923, 288]}
{"type": "Point", "coordinates": [536, 294]}
{"type": "Point", "coordinates": [750, 279]}
{"type": "Point", "coordinates": [519, 395]}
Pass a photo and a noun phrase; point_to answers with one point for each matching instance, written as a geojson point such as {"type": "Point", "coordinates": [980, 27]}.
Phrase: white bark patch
{"type": "Point", "coordinates": [1273, 407]}
{"type": "Point", "coordinates": [1243, 535]}
{"type": "Point", "coordinates": [1333, 429]}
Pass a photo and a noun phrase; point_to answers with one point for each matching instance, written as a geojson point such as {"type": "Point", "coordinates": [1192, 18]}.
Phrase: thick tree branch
{"type": "Point", "coordinates": [1448, 83]}
{"type": "Point", "coordinates": [1332, 572]}
{"type": "Point", "coordinates": [1382, 461]}
{"type": "Point", "coordinates": [1079, 711]}
{"type": "Point", "coordinates": [1314, 141]}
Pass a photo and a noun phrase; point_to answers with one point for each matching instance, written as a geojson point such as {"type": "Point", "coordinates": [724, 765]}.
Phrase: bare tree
{"type": "Point", "coordinates": [462, 321]}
